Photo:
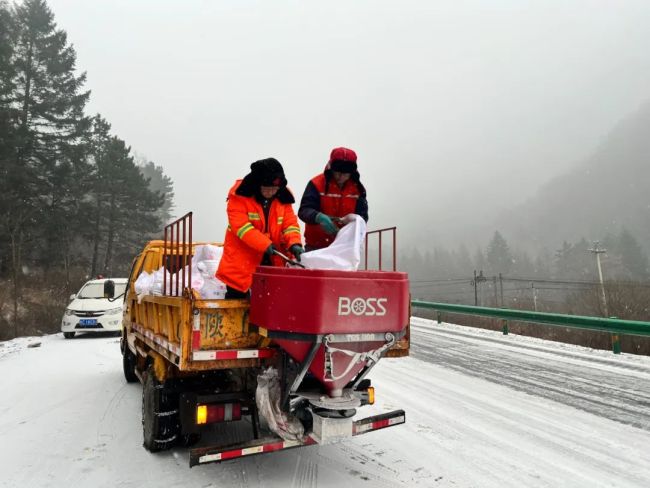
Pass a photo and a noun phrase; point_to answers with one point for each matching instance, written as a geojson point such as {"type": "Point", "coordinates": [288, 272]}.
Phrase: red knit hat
{"type": "Point", "coordinates": [343, 154]}
{"type": "Point", "coordinates": [342, 160]}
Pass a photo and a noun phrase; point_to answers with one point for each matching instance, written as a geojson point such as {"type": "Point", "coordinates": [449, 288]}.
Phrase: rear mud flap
{"type": "Point", "coordinates": [215, 454]}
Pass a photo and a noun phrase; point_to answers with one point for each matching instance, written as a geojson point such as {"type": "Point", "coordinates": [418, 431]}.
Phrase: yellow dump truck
{"type": "Point", "coordinates": [199, 361]}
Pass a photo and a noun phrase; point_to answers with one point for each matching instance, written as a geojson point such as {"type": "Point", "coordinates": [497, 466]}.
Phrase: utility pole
{"type": "Point", "coordinates": [598, 251]}
{"type": "Point", "coordinates": [478, 279]}
{"type": "Point", "coordinates": [532, 285]}
{"type": "Point", "coordinates": [501, 288]}
{"type": "Point", "coordinates": [475, 291]}
{"type": "Point", "coordinates": [494, 285]}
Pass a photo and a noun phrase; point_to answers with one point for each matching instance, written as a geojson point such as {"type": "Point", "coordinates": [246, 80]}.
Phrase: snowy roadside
{"type": "Point", "coordinates": [515, 340]}
{"type": "Point", "coordinates": [68, 418]}
{"type": "Point", "coordinates": [15, 345]}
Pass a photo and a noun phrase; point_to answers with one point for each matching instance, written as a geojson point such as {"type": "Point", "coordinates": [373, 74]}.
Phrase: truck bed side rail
{"type": "Point", "coordinates": [177, 255]}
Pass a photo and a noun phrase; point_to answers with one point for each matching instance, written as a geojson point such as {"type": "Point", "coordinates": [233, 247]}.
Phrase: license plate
{"type": "Point", "coordinates": [88, 322]}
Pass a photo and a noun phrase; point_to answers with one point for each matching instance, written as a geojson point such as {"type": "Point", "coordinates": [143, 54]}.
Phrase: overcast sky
{"type": "Point", "coordinates": [455, 107]}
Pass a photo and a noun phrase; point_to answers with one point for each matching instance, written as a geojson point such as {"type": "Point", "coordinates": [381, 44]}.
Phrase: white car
{"type": "Point", "coordinates": [89, 311]}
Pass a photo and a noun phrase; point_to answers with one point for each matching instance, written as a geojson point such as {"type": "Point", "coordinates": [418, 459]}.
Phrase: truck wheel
{"type": "Point", "coordinates": [128, 365]}
{"type": "Point", "coordinates": [68, 335]}
{"type": "Point", "coordinates": [159, 423]}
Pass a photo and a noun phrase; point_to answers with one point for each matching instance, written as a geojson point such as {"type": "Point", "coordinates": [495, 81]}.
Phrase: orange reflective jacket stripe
{"type": "Point", "coordinates": [246, 241]}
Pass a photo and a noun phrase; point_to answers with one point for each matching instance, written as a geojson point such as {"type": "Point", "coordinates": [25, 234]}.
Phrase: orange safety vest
{"type": "Point", "coordinates": [249, 235]}
{"type": "Point", "coordinates": [334, 202]}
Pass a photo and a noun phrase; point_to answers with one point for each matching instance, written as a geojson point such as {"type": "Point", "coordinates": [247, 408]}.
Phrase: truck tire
{"type": "Point", "coordinates": [68, 335]}
{"type": "Point", "coordinates": [128, 365]}
{"type": "Point", "coordinates": [159, 423]}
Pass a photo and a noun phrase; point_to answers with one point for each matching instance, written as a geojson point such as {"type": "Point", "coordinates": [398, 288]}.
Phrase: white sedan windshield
{"type": "Point", "coordinates": [96, 290]}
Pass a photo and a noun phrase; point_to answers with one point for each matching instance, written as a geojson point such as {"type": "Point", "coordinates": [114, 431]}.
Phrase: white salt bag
{"type": "Point", "coordinates": [344, 253]}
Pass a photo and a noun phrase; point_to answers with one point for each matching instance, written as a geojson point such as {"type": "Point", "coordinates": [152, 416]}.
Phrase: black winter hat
{"type": "Point", "coordinates": [268, 172]}
{"type": "Point", "coordinates": [265, 172]}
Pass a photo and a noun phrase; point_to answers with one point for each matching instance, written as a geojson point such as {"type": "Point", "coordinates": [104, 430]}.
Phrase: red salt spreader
{"type": "Point", "coordinates": [334, 326]}
{"type": "Point", "coordinates": [331, 328]}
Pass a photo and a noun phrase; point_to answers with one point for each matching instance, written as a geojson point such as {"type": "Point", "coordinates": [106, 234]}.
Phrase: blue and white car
{"type": "Point", "coordinates": [89, 311]}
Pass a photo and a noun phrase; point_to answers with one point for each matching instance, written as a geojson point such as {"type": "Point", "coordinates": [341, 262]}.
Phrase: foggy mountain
{"type": "Point", "coordinates": [603, 194]}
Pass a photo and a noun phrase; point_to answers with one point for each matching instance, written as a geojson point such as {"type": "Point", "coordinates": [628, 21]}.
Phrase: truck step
{"type": "Point", "coordinates": [215, 454]}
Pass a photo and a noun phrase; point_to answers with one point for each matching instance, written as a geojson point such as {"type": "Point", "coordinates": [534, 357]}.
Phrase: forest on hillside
{"type": "Point", "coordinates": [598, 198]}
{"type": "Point", "coordinates": [565, 280]}
{"type": "Point", "coordinates": [74, 201]}
{"type": "Point", "coordinates": [543, 257]}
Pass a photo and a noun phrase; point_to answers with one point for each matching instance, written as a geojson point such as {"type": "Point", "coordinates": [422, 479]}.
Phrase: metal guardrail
{"type": "Point", "coordinates": [614, 326]}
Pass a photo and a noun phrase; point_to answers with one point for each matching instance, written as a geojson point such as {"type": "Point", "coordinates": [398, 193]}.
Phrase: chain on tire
{"type": "Point", "coordinates": [160, 426]}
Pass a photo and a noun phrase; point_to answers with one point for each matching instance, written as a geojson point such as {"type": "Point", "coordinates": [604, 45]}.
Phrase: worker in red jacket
{"type": "Point", "coordinates": [331, 195]}
{"type": "Point", "coordinates": [260, 220]}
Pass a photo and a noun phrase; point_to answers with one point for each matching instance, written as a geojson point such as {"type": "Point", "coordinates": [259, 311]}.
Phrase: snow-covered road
{"type": "Point", "coordinates": [483, 410]}
{"type": "Point", "coordinates": [599, 382]}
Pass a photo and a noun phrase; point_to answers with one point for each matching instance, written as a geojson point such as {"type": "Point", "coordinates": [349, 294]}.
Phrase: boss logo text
{"type": "Point", "coordinates": [362, 306]}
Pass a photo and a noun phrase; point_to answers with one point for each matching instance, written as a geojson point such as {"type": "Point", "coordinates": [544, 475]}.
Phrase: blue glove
{"type": "Point", "coordinates": [296, 250]}
{"type": "Point", "coordinates": [326, 224]}
{"type": "Point", "coordinates": [269, 250]}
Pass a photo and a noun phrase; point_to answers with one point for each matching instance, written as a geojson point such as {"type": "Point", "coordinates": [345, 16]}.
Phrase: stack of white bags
{"type": "Point", "coordinates": [204, 266]}
{"type": "Point", "coordinates": [343, 254]}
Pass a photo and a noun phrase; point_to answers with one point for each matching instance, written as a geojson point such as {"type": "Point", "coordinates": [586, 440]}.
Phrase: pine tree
{"type": "Point", "coordinates": [46, 105]}
{"type": "Point", "coordinates": [124, 211]}
{"type": "Point", "coordinates": [480, 262]}
{"type": "Point", "coordinates": [463, 262]}
{"type": "Point", "coordinates": [98, 143]}
{"type": "Point", "coordinates": [63, 183]}
{"type": "Point", "coordinates": [160, 183]}
{"type": "Point", "coordinates": [522, 265]}
{"type": "Point", "coordinates": [443, 263]}
{"type": "Point", "coordinates": [7, 72]}
{"type": "Point", "coordinates": [48, 96]}
{"type": "Point", "coordinates": [498, 255]}
{"type": "Point", "coordinates": [634, 260]}
{"type": "Point", "coordinates": [574, 261]}
{"type": "Point", "coordinates": [544, 264]}
{"type": "Point", "coordinates": [417, 263]}
{"type": "Point", "coordinates": [7, 129]}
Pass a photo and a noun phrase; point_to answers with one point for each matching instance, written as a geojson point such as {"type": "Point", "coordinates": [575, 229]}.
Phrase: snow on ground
{"type": "Point", "coordinates": [483, 410]}
{"type": "Point", "coordinates": [612, 386]}
{"type": "Point", "coordinates": [15, 345]}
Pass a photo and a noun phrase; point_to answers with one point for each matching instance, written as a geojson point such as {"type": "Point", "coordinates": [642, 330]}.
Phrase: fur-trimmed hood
{"type": "Point", "coordinates": [266, 172]}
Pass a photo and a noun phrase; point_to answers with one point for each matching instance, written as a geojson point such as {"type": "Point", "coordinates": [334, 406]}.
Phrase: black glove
{"type": "Point", "coordinates": [296, 250]}
{"type": "Point", "coordinates": [269, 250]}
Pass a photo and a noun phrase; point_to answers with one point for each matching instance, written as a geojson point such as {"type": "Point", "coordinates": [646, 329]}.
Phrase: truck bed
{"type": "Point", "coordinates": [195, 334]}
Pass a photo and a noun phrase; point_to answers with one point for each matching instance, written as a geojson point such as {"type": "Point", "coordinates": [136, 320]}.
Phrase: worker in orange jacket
{"type": "Point", "coordinates": [331, 195]}
{"type": "Point", "coordinates": [260, 221]}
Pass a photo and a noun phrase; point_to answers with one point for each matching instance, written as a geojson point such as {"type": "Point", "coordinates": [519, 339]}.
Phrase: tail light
{"type": "Point", "coordinates": [217, 412]}
{"type": "Point", "coordinates": [366, 395]}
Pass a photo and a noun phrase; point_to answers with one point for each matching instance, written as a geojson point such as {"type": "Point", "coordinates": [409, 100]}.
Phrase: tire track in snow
{"type": "Point", "coordinates": [337, 456]}
{"type": "Point", "coordinates": [625, 406]}
{"type": "Point", "coordinates": [305, 474]}
{"type": "Point", "coordinates": [604, 388]}
{"type": "Point", "coordinates": [534, 345]}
